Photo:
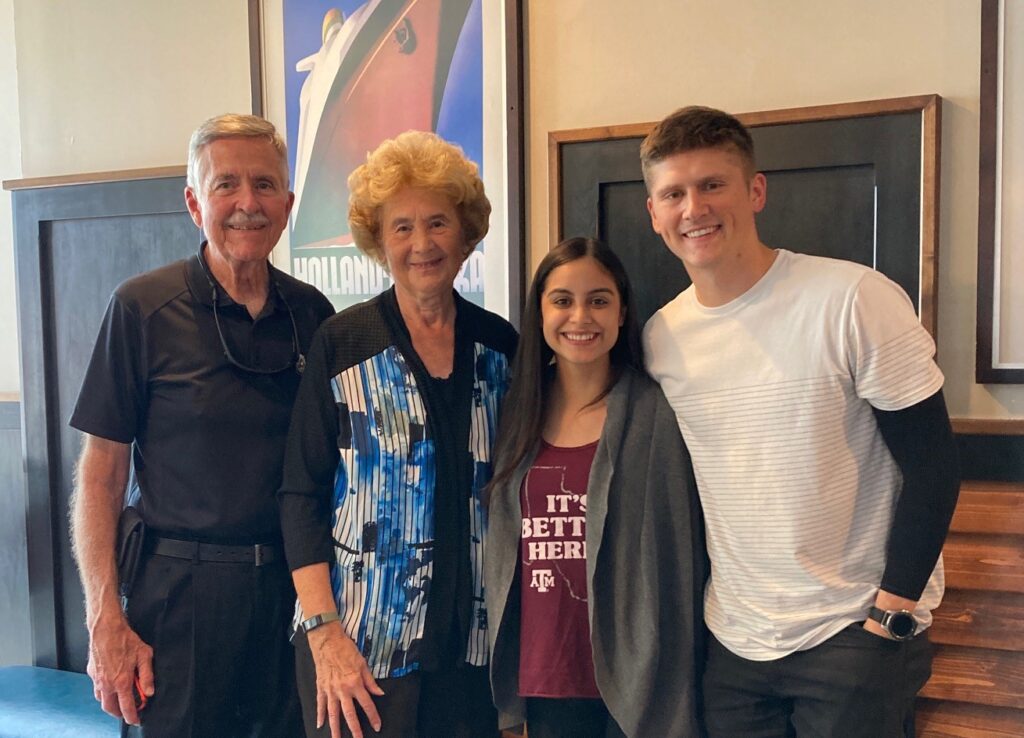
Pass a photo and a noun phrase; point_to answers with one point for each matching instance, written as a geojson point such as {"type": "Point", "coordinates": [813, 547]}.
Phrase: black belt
{"type": "Point", "coordinates": [258, 554]}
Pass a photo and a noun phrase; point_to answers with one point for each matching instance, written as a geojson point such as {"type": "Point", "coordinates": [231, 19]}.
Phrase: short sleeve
{"type": "Point", "coordinates": [111, 400]}
{"type": "Point", "coordinates": [891, 354]}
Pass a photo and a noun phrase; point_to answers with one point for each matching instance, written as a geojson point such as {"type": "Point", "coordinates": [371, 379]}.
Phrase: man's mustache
{"type": "Point", "coordinates": [247, 221]}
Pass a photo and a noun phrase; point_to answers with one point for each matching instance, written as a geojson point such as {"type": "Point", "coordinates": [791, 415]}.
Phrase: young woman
{"type": "Point", "coordinates": [595, 560]}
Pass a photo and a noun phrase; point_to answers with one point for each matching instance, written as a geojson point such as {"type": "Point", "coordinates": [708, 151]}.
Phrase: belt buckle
{"type": "Point", "coordinates": [258, 554]}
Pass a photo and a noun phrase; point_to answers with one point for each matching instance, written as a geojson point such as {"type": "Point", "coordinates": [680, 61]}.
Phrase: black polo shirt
{"type": "Point", "coordinates": [207, 437]}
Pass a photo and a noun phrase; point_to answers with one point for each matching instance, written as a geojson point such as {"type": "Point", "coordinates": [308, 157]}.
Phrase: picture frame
{"type": "Point", "coordinates": [501, 270]}
{"type": "Point", "coordinates": [999, 353]}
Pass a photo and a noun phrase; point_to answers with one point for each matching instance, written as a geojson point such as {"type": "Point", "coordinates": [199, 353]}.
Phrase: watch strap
{"type": "Point", "coordinates": [877, 614]}
{"type": "Point", "coordinates": [317, 620]}
{"type": "Point", "coordinates": [885, 617]}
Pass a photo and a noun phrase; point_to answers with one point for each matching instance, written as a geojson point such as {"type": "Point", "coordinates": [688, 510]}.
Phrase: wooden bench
{"type": "Point", "coordinates": [37, 702]}
{"type": "Point", "coordinates": [977, 684]}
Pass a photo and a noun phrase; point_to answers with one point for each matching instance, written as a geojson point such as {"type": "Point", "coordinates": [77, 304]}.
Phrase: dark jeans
{"type": "Point", "coordinates": [451, 703]}
{"type": "Point", "coordinates": [221, 660]}
{"type": "Point", "coordinates": [569, 718]}
{"type": "Point", "coordinates": [854, 685]}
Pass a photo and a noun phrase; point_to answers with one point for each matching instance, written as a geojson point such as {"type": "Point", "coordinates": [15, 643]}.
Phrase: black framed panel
{"type": "Point", "coordinates": [73, 245]}
{"type": "Point", "coordinates": [987, 370]}
{"type": "Point", "coordinates": [855, 181]}
{"type": "Point", "coordinates": [848, 187]}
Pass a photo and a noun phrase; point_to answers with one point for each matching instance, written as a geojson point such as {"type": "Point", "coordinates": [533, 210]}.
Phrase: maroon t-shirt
{"type": "Point", "coordinates": [554, 646]}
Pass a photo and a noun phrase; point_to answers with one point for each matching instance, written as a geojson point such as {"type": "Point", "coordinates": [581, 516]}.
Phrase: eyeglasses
{"type": "Point", "coordinates": [296, 360]}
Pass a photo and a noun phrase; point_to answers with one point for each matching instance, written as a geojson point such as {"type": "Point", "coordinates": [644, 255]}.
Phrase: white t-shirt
{"type": "Point", "coordinates": [773, 392]}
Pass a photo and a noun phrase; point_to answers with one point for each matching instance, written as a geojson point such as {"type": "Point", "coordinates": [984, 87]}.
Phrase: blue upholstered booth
{"type": "Point", "coordinates": [46, 703]}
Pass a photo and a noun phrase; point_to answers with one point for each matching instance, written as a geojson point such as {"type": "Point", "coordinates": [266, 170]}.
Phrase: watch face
{"type": "Point", "coordinates": [902, 625]}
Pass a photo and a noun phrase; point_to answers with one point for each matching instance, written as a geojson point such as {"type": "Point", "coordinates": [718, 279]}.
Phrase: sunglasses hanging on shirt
{"type": "Point", "coordinates": [296, 361]}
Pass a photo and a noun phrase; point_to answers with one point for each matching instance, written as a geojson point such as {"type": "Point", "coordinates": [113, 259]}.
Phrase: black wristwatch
{"type": "Point", "coordinates": [901, 625]}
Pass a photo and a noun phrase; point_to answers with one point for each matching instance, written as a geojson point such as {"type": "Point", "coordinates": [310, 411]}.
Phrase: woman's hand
{"type": "Point", "coordinates": [342, 680]}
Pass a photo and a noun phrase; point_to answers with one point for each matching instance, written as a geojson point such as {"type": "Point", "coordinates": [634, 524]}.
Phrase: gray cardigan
{"type": "Point", "coordinates": [646, 567]}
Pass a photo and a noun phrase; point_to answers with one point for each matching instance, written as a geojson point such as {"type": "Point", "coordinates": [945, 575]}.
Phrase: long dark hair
{"type": "Point", "coordinates": [522, 417]}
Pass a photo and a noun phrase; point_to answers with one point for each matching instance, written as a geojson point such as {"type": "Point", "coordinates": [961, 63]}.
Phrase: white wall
{"type": "Point", "coordinates": [106, 85]}
{"type": "Point", "coordinates": [597, 62]}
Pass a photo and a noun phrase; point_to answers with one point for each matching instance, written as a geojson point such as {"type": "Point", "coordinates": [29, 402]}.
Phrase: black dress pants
{"type": "Point", "coordinates": [450, 703]}
{"type": "Point", "coordinates": [854, 685]}
{"type": "Point", "coordinates": [570, 718]}
{"type": "Point", "coordinates": [222, 663]}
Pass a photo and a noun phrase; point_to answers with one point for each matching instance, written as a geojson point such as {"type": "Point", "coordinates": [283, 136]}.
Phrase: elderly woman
{"type": "Point", "coordinates": [388, 452]}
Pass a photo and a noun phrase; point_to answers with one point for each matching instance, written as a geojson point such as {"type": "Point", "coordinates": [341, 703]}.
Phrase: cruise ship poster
{"type": "Point", "coordinates": [357, 73]}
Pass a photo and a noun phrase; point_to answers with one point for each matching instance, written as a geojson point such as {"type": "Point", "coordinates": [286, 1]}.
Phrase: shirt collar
{"type": "Point", "coordinates": [198, 277]}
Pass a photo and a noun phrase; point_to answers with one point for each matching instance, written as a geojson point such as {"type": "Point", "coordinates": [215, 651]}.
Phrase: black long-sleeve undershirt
{"type": "Point", "coordinates": [921, 441]}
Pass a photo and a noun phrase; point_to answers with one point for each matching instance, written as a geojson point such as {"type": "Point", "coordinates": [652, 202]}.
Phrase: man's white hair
{"type": "Point", "coordinates": [232, 125]}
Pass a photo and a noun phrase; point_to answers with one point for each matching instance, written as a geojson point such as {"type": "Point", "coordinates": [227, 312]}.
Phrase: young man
{"type": "Point", "coordinates": [809, 399]}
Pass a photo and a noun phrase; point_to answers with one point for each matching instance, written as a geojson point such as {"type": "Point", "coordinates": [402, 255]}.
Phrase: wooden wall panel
{"type": "Point", "coordinates": [936, 719]}
{"type": "Point", "coordinates": [979, 561]}
{"type": "Point", "coordinates": [989, 507]}
{"type": "Point", "coordinates": [977, 684]}
{"type": "Point", "coordinates": [980, 619]}
{"type": "Point", "coordinates": [980, 676]}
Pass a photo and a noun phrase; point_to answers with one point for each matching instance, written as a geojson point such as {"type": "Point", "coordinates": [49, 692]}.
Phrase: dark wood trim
{"type": "Point", "coordinates": [988, 426]}
{"type": "Point", "coordinates": [555, 141]}
{"type": "Point", "coordinates": [984, 371]}
{"type": "Point", "coordinates": [930, 107]}
{"type": "Point", "coordinates": [515, 176]}
{"type": "Point", "coordinates": [931, 167]}
{"type": "Point", "coordinates": [120, 175]}
{"type": "Point", "coordinates": [256, 57]}
{"type": "Point", "coordinates": [762, 118]}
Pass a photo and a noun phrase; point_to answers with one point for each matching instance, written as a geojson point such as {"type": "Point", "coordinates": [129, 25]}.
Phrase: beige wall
{"type": "Point", "coordinates": [10, 167]}
{"type": "Point", "coordinates": [595, 62]}
{"type": "Point", "coordinates": [107, 85]}
{"type": "Point", "coordinates": [120, 84]}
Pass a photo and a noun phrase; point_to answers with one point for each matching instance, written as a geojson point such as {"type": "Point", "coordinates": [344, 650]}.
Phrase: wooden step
{"type": "Point", "coordinates": [977, 675]}
{"type": "Point", "coordinates": [977, 684]}
{"type": "Point", "coordinates": [961, 720]}
{"type": "Point", "coordinates": [990, 507]}
{"type": "Point", "coordinates": [980, 619]}
{"type": "Point", "coordinates": [979, 561]}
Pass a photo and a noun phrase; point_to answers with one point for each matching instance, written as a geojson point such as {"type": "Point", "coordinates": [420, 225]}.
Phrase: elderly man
{"type": "Point", "coordinates": [191, 385]}
{"type": "Point", "coordinates": [808, 396]}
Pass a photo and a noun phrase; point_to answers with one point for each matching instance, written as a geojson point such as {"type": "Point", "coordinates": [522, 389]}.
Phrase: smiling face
{"type": "Point", "coordinates": [702, 203]}
{"type": "Point", "coordinates": [243, 200]}
{"type": "Point", "coordinates": [581, 313]}
{"type": "Point", "coordinates": [423, 243]}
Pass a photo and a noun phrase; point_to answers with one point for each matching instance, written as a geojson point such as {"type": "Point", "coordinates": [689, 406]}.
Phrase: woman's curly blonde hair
{"type": "Point", "coordinates": [422, 160]}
